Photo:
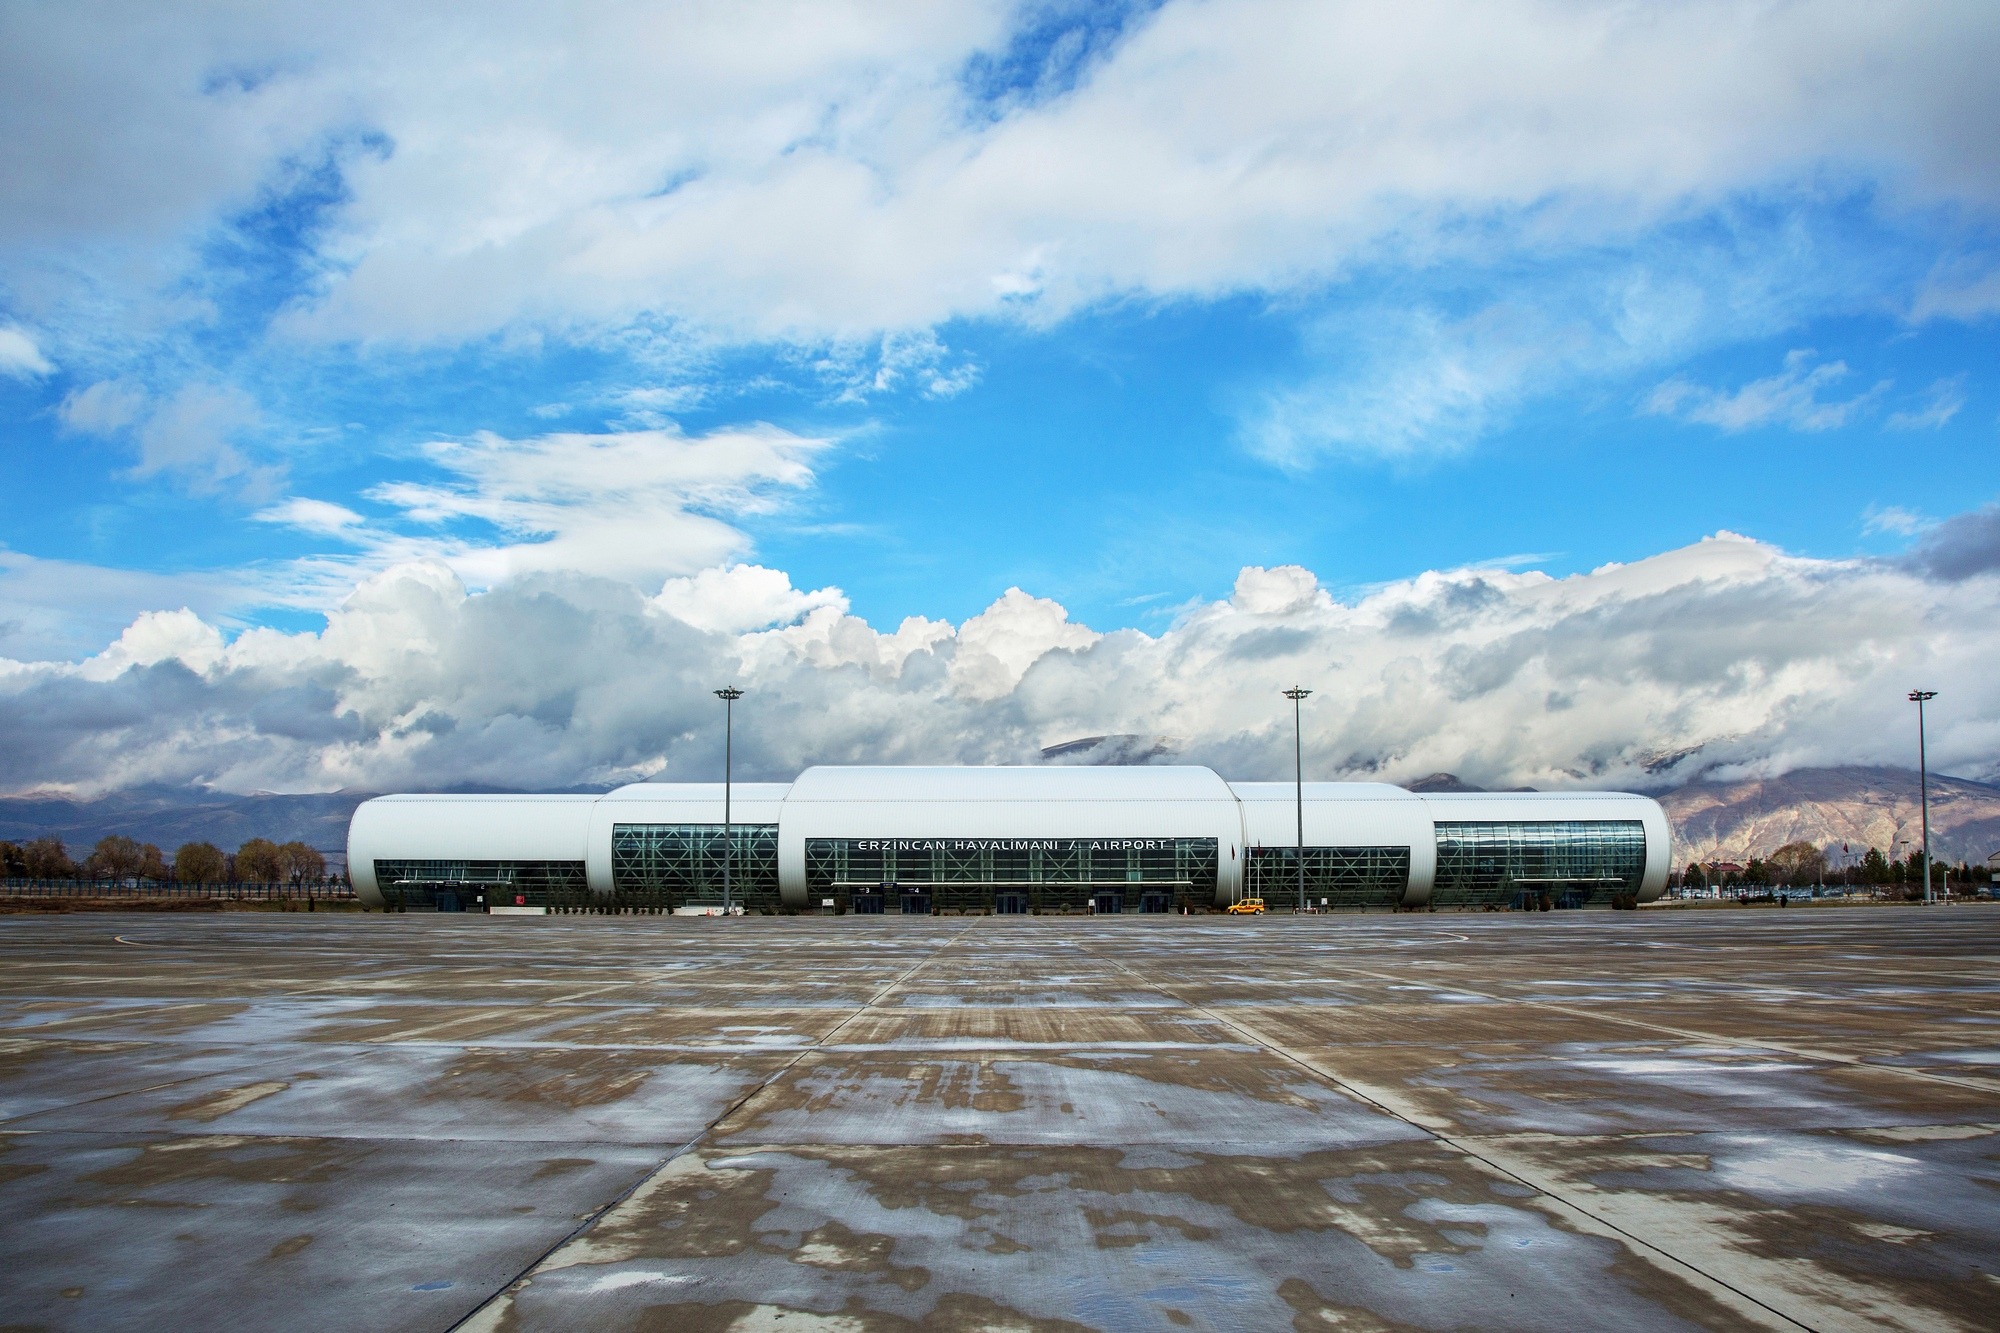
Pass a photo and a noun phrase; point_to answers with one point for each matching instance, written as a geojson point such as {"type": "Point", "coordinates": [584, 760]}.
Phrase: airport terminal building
{"type": "Point", "coordinates": [1006, 840]}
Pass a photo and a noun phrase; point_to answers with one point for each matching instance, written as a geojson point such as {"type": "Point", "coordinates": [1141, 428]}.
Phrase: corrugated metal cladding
{"type": "Point", "coordinates": [1367, 844]}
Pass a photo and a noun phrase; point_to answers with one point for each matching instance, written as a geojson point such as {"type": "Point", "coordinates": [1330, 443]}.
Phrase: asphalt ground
{"type": "Point", "coordinates": [1639, 1120]}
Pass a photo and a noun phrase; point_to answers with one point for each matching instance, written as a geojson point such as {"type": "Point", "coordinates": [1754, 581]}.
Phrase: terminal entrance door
{"type": "Point", "coordinates": [916, 904]}
{"type": "Point", "coordinates": [1010, 904]}
{"type": "Point", "coordinates": [867, 904]}
{"type": "Point", "coordinates": [1108, 900]}
{"type": "Point", "coordinates": [1152, 902]}
{"type": "Point", "coordinates": [432, 896]}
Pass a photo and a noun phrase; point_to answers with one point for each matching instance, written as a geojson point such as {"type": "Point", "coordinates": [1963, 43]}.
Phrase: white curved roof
{"type": "Point", "coordinates": [693, 801]}
{"type": "Point", "coordinates": [1320, 791]}
{"type": "Point", "coordinates": [1536, 805]}
{"type": "Point", "coordinates": [1177, 783]}
{"type": "Point", "coordinates": [1040, 802]}
{"type": "Point", "coordinates": [1336, 814]}
{"type": "Point", "coordinates": [697, 791]}
{"type": "Point", "coordinates": [477, 798]}
{"type": "Point", "coordinates": [477, 827]}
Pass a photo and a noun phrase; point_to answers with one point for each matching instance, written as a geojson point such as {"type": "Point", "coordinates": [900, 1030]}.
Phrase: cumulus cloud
{"type": "Point", "coordinates": [1726, 656]}
{"type": "Point", "coordinates": [656, 509]}
{"type": "Point", "coordinates": [1286, 590]}
{"type": "Point", "coordinates": [61, 609]}
{"type": "Point", "coordinates": [735, 598]}
{"type": "Point", "coordinates": [181, 637]}
{"type": "Point", "coordinates": [1789, 398]}
{"type": "Point", "coordinates": [998, 646]}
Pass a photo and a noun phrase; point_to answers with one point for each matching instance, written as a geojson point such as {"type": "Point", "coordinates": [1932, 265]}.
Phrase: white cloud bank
{"type": "Point", "coordinates": [1728, 653]}
{"type": "Point", "coordinates": [834, 183]}
{"type": "Point", "coordinates": [825, 169]}
{"type": "Point", "coordinates": [1531, 193]}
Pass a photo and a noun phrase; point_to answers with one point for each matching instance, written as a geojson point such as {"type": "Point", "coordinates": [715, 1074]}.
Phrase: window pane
{"type": "Point", "coordinates": [1573, 862]}
{"type": "Point", "coordinates": [1344, 876]}
{"type": "Point", "coordinates": [418, 884]}
{"type": "Point", "coordinates": [1048, 873]}
{"type": "Point", "coordinates": [677, 864]}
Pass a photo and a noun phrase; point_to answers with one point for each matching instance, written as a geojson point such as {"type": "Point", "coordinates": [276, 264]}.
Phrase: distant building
{"type": "Point", "coordinates": [1099, 839]}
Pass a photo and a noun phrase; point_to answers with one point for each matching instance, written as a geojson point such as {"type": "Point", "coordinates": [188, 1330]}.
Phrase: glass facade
{"type": "Point", "coordinates": [1573, 862]}
{"type": "Point", "coordinates": [1343, 876]}
{"type": "Point", "coordinates": [1013, 874]}
{"type": "Point", "coordinates": [672, 865]}
{"type": "Point", "coordinates": [455, 885]}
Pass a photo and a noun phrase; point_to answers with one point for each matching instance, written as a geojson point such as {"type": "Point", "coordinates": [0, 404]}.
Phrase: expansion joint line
{"type": "Point", "coordinates": [1325, 1075]}
{"type": "Point", "coordinates": [684, 1149]}
{"type": "Point", "coordinates": [1696, 1034]}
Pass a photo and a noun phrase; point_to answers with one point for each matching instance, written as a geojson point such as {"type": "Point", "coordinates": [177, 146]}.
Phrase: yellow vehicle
{"type": "Point", "coordinates": [1247, 907]}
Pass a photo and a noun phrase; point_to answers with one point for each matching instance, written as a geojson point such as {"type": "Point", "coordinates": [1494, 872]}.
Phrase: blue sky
{"type": "Point", "coordinates": [917, 304]}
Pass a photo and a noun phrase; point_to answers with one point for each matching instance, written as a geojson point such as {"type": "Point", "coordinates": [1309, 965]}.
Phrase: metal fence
{"type": "Point", "coordinates": [99, 888]}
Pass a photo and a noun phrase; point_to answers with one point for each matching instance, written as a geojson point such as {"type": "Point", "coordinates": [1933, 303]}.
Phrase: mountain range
{"type": "Point", "coordinates": [1833, 808]}
{"type": "Point", "coordinates": [170, 816]}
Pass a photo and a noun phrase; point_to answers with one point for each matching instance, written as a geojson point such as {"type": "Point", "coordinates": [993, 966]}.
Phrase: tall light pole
{"type": "Point", "coordinates": [1919, 698]}
{"type": "Point", "coordinates": [1297, 696]}
{"type": "Point", "coordinates": [729, 694]}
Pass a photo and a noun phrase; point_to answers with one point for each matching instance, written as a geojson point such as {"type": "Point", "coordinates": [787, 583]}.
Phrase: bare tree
{"type": "Point", "coordinates": [199, 863]}
{"type": "Point", "coordinates": [300, 863]}
{"type": "Point", "coordinates": [152, 866]}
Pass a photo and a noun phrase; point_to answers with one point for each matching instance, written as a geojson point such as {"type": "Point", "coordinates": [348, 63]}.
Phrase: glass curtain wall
{"type": "Point", "coordinates": [673, 865]}
{"type": "Point", "coordinates": [1342, 876]}
{"type": "Point", "coordinates": [1573, 863]}
{"type": "Point", "coordinates": [1048, 874]}
{"type": "Point", "coordinates": [422, 886]}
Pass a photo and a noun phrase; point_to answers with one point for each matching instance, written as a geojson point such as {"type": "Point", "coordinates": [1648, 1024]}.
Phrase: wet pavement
{"type": "Point", "coordinates": [1659, 1119]}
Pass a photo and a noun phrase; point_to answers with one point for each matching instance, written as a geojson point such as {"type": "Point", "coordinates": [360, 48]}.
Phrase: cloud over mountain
{"type": "Point", "coordinates": [1726, 657]}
